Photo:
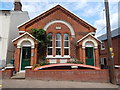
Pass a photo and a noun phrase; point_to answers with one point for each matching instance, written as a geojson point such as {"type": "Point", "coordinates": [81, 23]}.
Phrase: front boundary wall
{"type": "Point", "coordinates": [7, 73]}
{"type": "Point", "coordinates": [73, 74]}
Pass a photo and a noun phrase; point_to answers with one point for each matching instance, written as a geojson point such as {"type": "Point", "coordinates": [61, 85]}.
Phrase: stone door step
{"type": "Point", "coordinates": [19, 75]}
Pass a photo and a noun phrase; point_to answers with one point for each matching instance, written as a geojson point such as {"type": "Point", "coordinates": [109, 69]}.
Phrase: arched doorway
{"type": "Point", "coordinates": [25, 55]}
{"type": "Point", "coordinates": [88, 50]}
{"type": "Point", "coordinates": [25, 51]}
{"type": "Point", "coordinates": [89, 53]}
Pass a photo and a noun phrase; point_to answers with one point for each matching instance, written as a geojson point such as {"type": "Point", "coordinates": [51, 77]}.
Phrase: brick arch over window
{"type": "Point", "coordinates": [60, 21]}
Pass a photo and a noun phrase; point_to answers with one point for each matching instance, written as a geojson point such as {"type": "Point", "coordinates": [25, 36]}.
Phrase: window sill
{"type": "Point", "coordinates": [102, 48]}
{"type": "Point", "coordinates": [58, 57]}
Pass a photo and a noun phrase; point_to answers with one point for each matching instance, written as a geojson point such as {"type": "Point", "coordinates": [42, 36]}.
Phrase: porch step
{"type": "Point", "coordinates": [19, 75]}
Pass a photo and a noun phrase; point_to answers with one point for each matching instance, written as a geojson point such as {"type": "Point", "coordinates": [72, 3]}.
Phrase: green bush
{"type": "Point", "coordinates": [76, 62]}
{"type": "Point", "coordinates": [40, 64]}
{"type": "Point", "coordinates": [35, 65]}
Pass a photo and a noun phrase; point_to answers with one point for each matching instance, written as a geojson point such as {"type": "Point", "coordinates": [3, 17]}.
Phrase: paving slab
{"type": "Point", "coordinates": [23, 83]}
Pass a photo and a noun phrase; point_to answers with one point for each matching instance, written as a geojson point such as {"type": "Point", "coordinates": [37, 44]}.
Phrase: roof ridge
{"type": "Point", "coordinates": [63, 8]}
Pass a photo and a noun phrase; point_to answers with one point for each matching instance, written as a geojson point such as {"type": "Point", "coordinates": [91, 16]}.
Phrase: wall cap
{"type": "Point", "coordinates": [118, 66]}
{"type": "Point", "coordinates": [28, 67]}
{"type": "Point", "coordinates": [3, 70]}
{"type": "Point", "coordinates": [9, 67]}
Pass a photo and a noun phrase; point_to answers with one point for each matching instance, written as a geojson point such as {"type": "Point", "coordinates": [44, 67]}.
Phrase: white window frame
{"type": "Point", "coordinates": [102, 60]}
{"type": "Point", "coordinates": [102, 45]}
{"type": "Point", "coordinates": [60, 45]}
{"type": "Point", "coordinates": [50, 47]}
{"type": "Point", "coordinates": [66, 47]}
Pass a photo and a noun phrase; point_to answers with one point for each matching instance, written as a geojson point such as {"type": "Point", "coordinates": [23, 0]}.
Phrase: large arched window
{"type": "Point", "coordinates": [66, 44]}
{"type": "Point", "coordinates": [58, 44]}
{"type": "Point", "coordinates": [50, 44]}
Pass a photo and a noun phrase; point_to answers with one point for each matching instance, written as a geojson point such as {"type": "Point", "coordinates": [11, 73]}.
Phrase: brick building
{"type": "Point", "coordinates": [71, 38]}
{"type": "Point", "coordinates": [116, 48]}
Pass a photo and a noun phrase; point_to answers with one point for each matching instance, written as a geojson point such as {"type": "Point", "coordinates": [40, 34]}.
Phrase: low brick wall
{"type": "Point", "coordinates": [117, 76]}
{"type": "Point", "coordinates": [73, 74]}
{"type": "Point", "coordinates": [7, 73]}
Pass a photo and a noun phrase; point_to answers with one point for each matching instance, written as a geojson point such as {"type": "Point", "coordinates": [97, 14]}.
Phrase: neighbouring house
{"type": "Point", "coordinates": [9, 20]}
{"type": "Point", "coordinates": [115, 34]}
{"type": "Point", "coordinates": [71, 38]}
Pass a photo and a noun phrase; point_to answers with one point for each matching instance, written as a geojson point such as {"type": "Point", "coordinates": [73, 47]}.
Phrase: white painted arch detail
{"type": "Point", "coordinates": [19, 44]}
{"type": "Point", "coordinates": [60, 21]}
{"type": "Point", "coordinates": [89, 40]}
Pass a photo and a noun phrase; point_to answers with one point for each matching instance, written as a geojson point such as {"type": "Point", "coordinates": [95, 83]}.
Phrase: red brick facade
{"type": "Point", "coordinates": [116, 50]}
{"type": "Point", "coordinates": [67, 23]}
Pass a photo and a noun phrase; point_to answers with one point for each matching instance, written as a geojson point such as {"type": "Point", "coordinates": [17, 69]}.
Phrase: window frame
{"type": "Point", "coordinates": [102, 44]}
{"type": "Point", "coordinates": [68, 45]}
{"type": "Point", "coordinates": [60, 45]}
{"type": "Point", "coordinates": [50, 47]}
{"type": "Point", "coordinates": [103, 60]}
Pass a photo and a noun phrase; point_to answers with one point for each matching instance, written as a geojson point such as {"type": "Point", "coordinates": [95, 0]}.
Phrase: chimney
{"type": "Point", "coordinates": [17, 5]}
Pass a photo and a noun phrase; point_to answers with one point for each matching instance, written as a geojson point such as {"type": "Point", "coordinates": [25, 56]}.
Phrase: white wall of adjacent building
{"type": "Point", "coordinates": [9, 20]}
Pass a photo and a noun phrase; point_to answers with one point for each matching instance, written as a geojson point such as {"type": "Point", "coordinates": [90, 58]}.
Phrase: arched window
{"type": "Point", "coordinates": [66, 44]}
{"type": "Point", "coordinates": [58, 44]}
{"type": "Point", "coordinates": [50, 44]}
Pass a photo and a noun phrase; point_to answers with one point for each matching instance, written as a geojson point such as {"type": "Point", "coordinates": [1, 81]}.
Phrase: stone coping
{"type": "Point", "coordinates": [117, 66]}
{"type": "Point", "coordinates": [9, 67]}
{"type": "Point", "coordinates": [28, 67]}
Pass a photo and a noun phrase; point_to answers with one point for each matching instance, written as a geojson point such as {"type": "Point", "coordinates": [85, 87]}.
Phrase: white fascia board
{"type": "Point", "coordinates": [78, 17]}
{"type": "Point", "coordinates": [23, 35]}
{"type": "Point", "coordinates": [51, 8]}
{"type": "Point", "coordinates": [88, 35]}
{"type": "Point", "coordinates": [35, 16]}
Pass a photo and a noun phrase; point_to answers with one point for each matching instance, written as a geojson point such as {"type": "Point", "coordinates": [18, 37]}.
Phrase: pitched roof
{"type": "Point", "coordinates": [46, 13]}
{"type": "Point", "coordinates": [114, 33]}
{"type": "Point", "coordinates": [23, 35]}
{"type": "Point", "coordinates": [87, 36]}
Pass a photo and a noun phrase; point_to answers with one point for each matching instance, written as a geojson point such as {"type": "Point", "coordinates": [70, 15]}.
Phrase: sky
{"type": "Point", "coordinates": [91, 11]}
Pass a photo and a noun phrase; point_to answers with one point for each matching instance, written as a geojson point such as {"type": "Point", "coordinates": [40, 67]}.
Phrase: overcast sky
{"type": "Point", "coordinates": [88, 10]}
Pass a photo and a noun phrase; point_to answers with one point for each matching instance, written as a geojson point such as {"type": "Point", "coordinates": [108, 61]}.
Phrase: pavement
{"type": "Point", "coordinates": [23, 83]}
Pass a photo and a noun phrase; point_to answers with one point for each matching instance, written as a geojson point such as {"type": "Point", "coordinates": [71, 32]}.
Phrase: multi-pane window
{"type": "Point", "coordinates": [50, 46]}
{"type": "Point", "coordinates": [58, 44]}
{"type": "Point", "coordinates": [66, 44]}
{"type": "Point", "coordinates": [103, 61]}
{"type": "Point", "coordinates": [102, 46]}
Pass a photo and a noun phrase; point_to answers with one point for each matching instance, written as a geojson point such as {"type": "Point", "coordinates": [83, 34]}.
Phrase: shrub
{"type": "Point", "coordinates": [40, 64]}
{"type": "Point", "coordinates": [76, 62]}
{"type": "Point", "coordinates": [35, 65]}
